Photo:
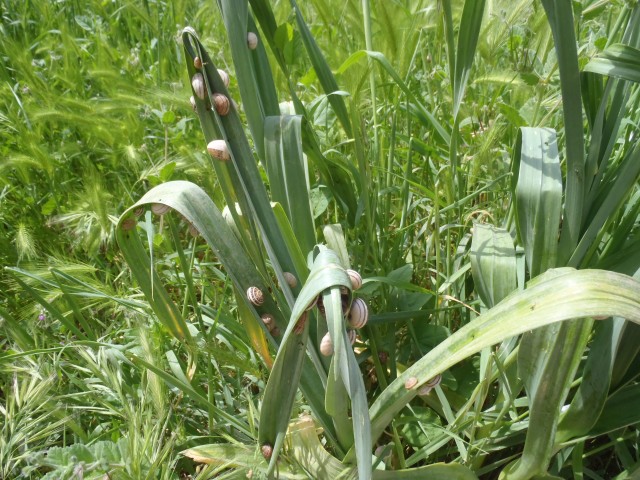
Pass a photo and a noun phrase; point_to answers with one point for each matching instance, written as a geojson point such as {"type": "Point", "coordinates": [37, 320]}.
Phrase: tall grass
{"type": "Point", "coordinates": [456, 155]}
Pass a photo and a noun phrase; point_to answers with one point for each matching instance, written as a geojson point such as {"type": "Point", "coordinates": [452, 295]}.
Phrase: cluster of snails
{"type": "Point", "coordinates": [356, 315]}
{"type": "Point", "coordinates": [222, 104]}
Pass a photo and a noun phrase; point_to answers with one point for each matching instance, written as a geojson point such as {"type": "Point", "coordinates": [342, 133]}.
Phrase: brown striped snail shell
{"type": "Point", "coordinates": [356, 279]}
{"type": "Point", "coordinates": [255, 296]}
{"type": "Point", "coordinates": [160, 208]}
{"type": "Point", "coordinates": [359, 314]}
{"type": "Point", "coordinates": [138, 211]}
{"type": "Point", "coordinates": [291, 279]}
{"type": "Point", "coordinates": [221, 104]}
{"type": "Point", "coordinates": [224, 76]}
{"type": "Point", "coordinates": [326, 345]}
{"type": "Point", "coordinates": [352, 335]}
{"type": "Point", "coordinates": [252, 40]}
{"type": "Point", "coordinates": [200, 89]}
{"type": "Point", "coordinates": [128, 224]}
{"type": "Point", "coordinates": [193, 230]}
{"type": "Point", "coordinates": [197, 62]}
{"type": "Point", "coordinates": [430, 385]}
{"type": "Point", "coordinates": [269, 321]}
{"type": "Point", "coordinates": [219, 150]}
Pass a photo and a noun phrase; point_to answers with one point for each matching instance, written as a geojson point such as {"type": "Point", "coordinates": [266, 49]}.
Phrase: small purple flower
{"type": "Point", "coordinates": [42, 317]}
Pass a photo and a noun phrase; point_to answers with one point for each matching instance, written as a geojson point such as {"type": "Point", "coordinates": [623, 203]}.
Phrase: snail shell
{"type": "Point", "coordinates": [255, 296]}
{"type": "Point", "coordinates": [359, 314]}
{"type": "Point", "coordinates": [200, 89]}
{"type": "Point", "coordinates": [219, 150]}
{"type": "Point", "coordinates": [252, 40]}
{"type": "Point", "coordinates": [197, 62]}
{"type": "Point", "coordinates": [221, 104]}
{"type": "Point", "coordinates": [267, 451]}
{"type": "Point", "coordinates": [430, 385]}
{"type": "Point", "coordinates": [313, 303]}
{"type": "Point", "coordinates": [299, 327]}
{"type": "Point", "coordinates": [269, 321]}
{"type": "Point", "coordinates": [224, 76]}
{"type": "Point", "coordinates": [410, 383]}
{"type": "Point", "coordinates": [128, 224]}
{"type": "Point", "coordinates": [160, 208]}
{"type": "Point", "coordinates": [192, 100]}
{"type": "Point", "coordinates": [291, 279]}
{"type": "Point", "coordinates": [352, 335]}
{"type": "Point", "coordinates": [193, 230]}
{"type": "Point", "coordinates": [356, 279]}
{"type": "Point", "coordinates": [138, 211]}
{"type": "Point", "coordinates": [326, 345]}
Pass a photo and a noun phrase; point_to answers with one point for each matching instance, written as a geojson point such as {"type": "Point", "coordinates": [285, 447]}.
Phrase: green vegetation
{"type": "Point", "coordinates": [172, 312]}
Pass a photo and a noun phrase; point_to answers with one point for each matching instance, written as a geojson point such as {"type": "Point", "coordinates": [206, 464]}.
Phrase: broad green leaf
{"type": "Point", "coordinates": [586, 405]}
{"type": "Point", "coordinates": [288, 175]}
{"type": "Point", "coordinates": [538, 193]}
{"type": "Point", "coordinates": [562, 296]}
{"type": "Point", "coordinates": [493, 263]}
{"type": "Point", "coordinates": [560, 17]}
{"type": "Point", "coordinates": [620, 61]}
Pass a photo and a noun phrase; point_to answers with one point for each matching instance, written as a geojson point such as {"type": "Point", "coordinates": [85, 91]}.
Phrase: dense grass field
{"type": "Point", "coordinates": [376, 239]}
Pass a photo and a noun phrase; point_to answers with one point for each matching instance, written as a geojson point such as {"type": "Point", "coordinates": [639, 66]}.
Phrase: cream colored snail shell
{"type": "Point", "coordinates": [200, 89]}
{"type": "Point", "coordinates": [269, 321]}
{"type": "Point", "coordinates": [252, 40]}
{"type": "Point", "coordinates": [359, 314]}
{"type": "Point", "coordinates": [192, 100]}
{"type": "Point", "coordinates": [197, 62]}
{"type": "Point", "coordinates": [160, 208]}
{"type": "Point", "coordinates": [255, 296]}
{"type": "Point", "coordinates": [219, 150]}
{"type": "Point", "coordinates": [326, 345]}
{"type": "Point", "coordinates": [224, 76]}
{"type": "Point", "coordinates": [352, 335]}
{"type": "Point", "coordinates": [356, 279]}
{"type": "Point", "coordinates": [410, 383]}
{"type": "Point", "coordinates": [291, 279]}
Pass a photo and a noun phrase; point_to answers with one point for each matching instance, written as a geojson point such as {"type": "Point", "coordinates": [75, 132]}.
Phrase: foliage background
{"type": "Point", "coordinates": [95, 111]}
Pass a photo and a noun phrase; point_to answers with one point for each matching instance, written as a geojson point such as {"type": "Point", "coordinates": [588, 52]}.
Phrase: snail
{"type": "Point", "coordinates": [221, 104]}
{"type": "Point", "coordinates": [430, 385]}
{"type": "Point", "coordinates": [197, 62]}
{"type": "Point", "coordinates": [219, 150]}
{"type": "Point", "coordinates": [128, 224]}
{"type": "Point", "coordinates": [192, 99]}
{"type": "Point", "coordinates": [267, 451]}
{"type": "Point", "coordinates": [352, 335]}
{"type": "Point", "coordinates": [326, 345]}
{"type": "Point", "coordinates": [255, 296]}
{"type": "Point", "coordinates": [224, 76]}
{"type": "Point", "coordinates": [358, 314]}
{"type": "Point", "coordinates": [269, 321]}
{"type": "Point", "coordinates": [291, 279]}
{"type": "Point", "coordinates": [252, 40]}
{"type": "Point", "coordinates": [200, 89]}
{"type": "Point", "coordinates": [160, 208]}
{"type": "Point", "coordinates": [410, 383]}
{"type": "Point", "coordinates": [299, 327]}
{"type": "Point", "coordinates": [356, 279]}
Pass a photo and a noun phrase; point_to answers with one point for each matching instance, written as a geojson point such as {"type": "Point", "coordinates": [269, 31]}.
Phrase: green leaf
{"type": "Point", "coordinates": [560, 17]}
{"type": "Point", "coordinates": [565, 295]}
{"type": "Point", "coordinates": [493, 263]}
{"type": "Point", "coordinates": [619, 61]}
{"type": "Point", "coordinates": [538, 196]}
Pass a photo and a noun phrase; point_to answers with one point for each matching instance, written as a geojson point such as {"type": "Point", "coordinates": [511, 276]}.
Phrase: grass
{"type": "Point", "coordinates": [461, 133]}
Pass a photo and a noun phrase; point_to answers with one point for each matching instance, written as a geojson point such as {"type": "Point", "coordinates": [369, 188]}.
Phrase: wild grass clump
{"type": "Point", "coordinates": [196, 310]}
